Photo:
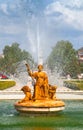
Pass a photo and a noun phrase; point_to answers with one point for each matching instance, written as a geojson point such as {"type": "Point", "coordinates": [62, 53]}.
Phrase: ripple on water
{"type": "Point", "coordinates": [70, 118]}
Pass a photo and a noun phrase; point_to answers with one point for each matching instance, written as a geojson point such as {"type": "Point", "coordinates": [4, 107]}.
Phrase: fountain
{"type": "Point", "coordinates": [43, 100]}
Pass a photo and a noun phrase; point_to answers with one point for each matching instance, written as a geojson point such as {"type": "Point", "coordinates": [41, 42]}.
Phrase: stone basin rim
{"type": "Point", "coordinates": [39, 110]}
{"type": "Point", "coordinates": [18, 105]}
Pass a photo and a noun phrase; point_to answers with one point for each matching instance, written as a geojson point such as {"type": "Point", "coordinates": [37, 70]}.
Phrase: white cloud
{"type": "Point", "coordinates": [73, 3]}
{"type": "Point", "coordinates": [60, 21]}
{"type": "Point", "coordinates": [4, 8]}
{"type": "Point", "coordinates": [12, 6]}
{"type": "Point", "coordinates": [68, 15]}
{"type": "Point", "coordinates": [12, 29]}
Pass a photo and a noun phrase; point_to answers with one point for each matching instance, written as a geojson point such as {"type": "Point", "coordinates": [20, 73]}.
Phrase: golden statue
{"type": "Point", "coordinates": [27, 92]}
{"type": "Point", "coordinates": [43, 99]}
{"type": "Point", "coordinates": [42, 89]}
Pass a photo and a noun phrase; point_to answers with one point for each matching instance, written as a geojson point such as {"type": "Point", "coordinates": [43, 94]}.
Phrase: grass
{"type": "Point", "coordinates": [4, 84]}
{"type": "Point", "coordinates": [74, 84]}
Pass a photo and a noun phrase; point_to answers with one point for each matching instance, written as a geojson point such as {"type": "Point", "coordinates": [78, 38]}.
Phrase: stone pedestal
{"type": "Point", "coordinates": [40, 107]}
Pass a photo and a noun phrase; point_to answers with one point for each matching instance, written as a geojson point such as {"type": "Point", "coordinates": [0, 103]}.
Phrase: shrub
{"type": "Point", "coordinates": [74, 84]}
{"type": "Point", "coordinates": [6, 84]}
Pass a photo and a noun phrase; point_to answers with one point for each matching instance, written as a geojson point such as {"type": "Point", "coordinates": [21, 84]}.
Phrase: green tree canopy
{"type": "Point", "coordinates": [63, 57]}
{"type": "Point", "coordinates": [12, 55]}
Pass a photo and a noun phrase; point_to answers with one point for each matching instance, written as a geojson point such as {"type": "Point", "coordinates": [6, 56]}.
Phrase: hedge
{"type": "Point", "coordinates": [74, 84]}
{"type": "Point", "coordinates": [4, 84]}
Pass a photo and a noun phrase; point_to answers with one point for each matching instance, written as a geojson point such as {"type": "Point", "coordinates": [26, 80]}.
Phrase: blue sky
{"type": "Point", "coordinates": [33, 23]}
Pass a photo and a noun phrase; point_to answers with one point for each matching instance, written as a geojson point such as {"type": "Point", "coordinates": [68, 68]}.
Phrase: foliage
{"type": "Point", "coordinates": [12, 55]}
{"type": "Point", "coordinates": [63, 57]}
{"type": "Point", "coordinates": [74, 84]}
{"type": "Point", "coordinates": [4, 84]}
{"type": "Point", "coordinates": [81, 67]}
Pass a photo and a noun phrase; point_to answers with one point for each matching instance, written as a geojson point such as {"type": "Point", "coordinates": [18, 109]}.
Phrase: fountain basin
{"type": "Point", "coordinates": [71, 118]}
{"type": "Point", "coordinates": [40, 106]}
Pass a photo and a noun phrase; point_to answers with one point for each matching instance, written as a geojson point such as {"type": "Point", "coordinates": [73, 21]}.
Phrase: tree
{"type": "Point", "coordinates": [12, 55]}
{"type": "Point", "coordinates": [81, 67]}
{"type": "Point", "coordinates": [63, 57]}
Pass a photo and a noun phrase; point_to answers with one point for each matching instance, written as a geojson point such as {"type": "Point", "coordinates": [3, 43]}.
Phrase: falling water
{"type": "Point", "coordinates": [54, 77]}
{"type": "Point", "coordinates": [32, 15]}
{"type": "Point", "coordinates": [33, 23]}
{"type": "Point", "coordinates": [40, 57]}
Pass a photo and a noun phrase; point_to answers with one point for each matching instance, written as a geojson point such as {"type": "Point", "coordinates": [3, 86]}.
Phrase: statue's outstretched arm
{"type": "Point", "coordinates": [28, 70]}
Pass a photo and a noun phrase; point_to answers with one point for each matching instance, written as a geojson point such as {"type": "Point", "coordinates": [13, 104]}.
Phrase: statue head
{"type": "Point", "coordinates": [25, 89]}
{"type": "Point", "coordinates": [40, 67]}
